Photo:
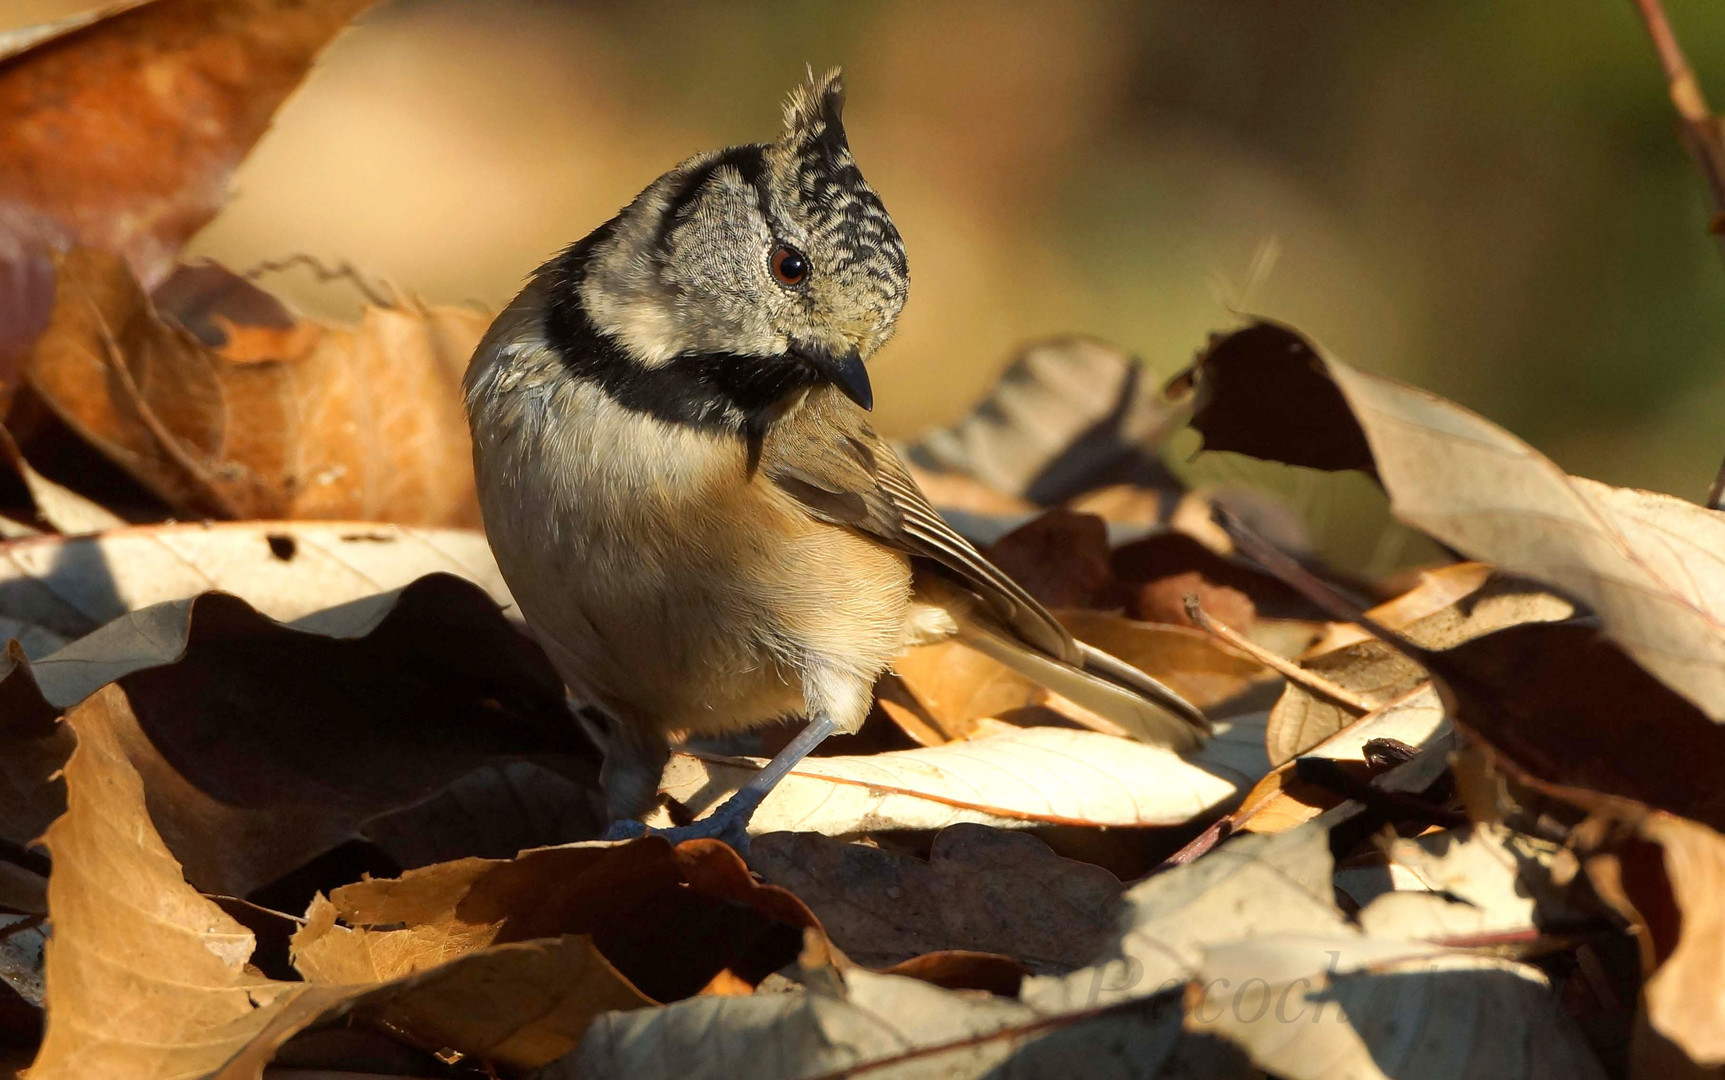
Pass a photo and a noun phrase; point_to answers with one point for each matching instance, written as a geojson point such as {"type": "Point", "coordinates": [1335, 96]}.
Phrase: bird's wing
{"type": "Point", "coordinates": [828, 458]}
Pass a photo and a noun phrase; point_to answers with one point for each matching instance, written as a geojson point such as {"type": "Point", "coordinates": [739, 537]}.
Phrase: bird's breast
{"type": "Point", "coordinates": [664, 580]}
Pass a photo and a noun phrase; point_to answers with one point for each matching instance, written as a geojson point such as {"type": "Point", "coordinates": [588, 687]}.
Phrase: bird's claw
{"type": "Point", "coordinates": [625, 829]}
{"type": "Point", "coordinates": [730, 828]}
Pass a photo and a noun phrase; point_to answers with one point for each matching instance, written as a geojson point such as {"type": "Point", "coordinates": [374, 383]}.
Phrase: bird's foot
{"type": "Point", "coordinates": [625, 829]}
{"type": "Point", "coordinates": [729, 824]}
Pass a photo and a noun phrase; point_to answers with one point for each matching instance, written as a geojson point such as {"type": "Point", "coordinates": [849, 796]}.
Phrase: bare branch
{"type": "Point", "coordinates": [1703, 134]}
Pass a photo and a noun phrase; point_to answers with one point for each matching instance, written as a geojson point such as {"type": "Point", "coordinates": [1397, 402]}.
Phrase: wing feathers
{"type": "Point", "coordinates": [827, 458]}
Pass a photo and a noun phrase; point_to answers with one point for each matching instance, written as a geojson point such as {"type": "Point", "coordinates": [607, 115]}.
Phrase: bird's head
{"type": "Point", "coordinates": [758, 271]}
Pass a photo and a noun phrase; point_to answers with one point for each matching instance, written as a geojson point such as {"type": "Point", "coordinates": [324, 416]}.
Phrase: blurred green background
{"type": "Point", "coordinates": [1488, 199]}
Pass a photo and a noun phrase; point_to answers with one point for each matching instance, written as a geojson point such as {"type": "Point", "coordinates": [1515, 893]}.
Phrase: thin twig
{"type": "Point", "coordinates": [1703, 135]}
{"type": "Point", "coordinates": [1311, 680]}
{"type": "Point", "coordinates": [1702, 131]}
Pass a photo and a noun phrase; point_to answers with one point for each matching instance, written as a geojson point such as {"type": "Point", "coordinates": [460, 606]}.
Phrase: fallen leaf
{"type": "Point", "coordinates": [22, 890]}
{"type": "Point", "coordinates": [68, 587]}
{"type": "Point", "coordinates": [878, 1025]}
{"type": "Point", "coordinates": [1301, 718]}
{"type": "Point", "coordinates": [1061, 558]}
{"type": "Point", "coordinates": [952, 686]}
{"type": "Point", "coordinates": [623, 897]}
{"type": "Point", "coordinates": [1648, 565]}
{"type": "Point", "coordinates": [34, 746]}
{"type": "Point", "coordinates": [494, 812]}
{"type": "Point", "coordinates": [1552, 699]}
{"type": "Point", "coordinates": [359, 423]}
{"type": "Point", "coordinates": [1188, 661]}
{"type": "Point", "coordinates": [1164, 600]}
{"type": "Point", "coordinates": [1313, 1008]}
{"type": "Point", "coordinates": [1032, 776]}
{"type": "Point", "coordinates": [1266, 885]}
{"type": "Point", "coordinates": [123, 132]}
{"type": "Point", "coordinates": [1162, 556]}
{"type": "Point", "coordinates": [56, 505]}
{"type": "Point", "coordinates": [980, 889]}
{"type": "Point", "coordinates": [1378, 671]}
{"type": "Point", "coordinates": [1250, 934]}
{"type": "Point", "coordinates": [1280, 800]}
{"type": "Point", "coordinates": [1436, 590]}
{"type": "Point", "coordinates": [1665, 876]}
{"type": "Point", "coordinates": [1129, 504]}
{"type": "Point", "coordinates": [1483, 879]}
{"type": "Point", "coordinates": [1263, 391]}
{"type": "Point", "coordinates": [263, 745]}
{"type": "Point", "coordinates": [1067, 415]}
{"type": "Point", "coordinates": [127, 928]}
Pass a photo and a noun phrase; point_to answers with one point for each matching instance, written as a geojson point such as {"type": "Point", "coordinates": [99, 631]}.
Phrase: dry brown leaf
{"type": "Point", "coordinates": [1280, 801]}
{"type": "Point", "coordinates": [359, 424]}
{"type": "Point", "coordinates": [623, 897]}
{"type": "Point", "coordinates": [1187, 660]}
{"type": "Point", "coordinates": [1256, 915]}
{"type": "Point", "coordinates": [129, 931]}
{"type": "Point", "coordinates": [1649, 565]}
{"type": "Point", "coordinates": [1666, 875]}
{"type": "Point", "coordinates": [1265, 884]}
{"type": "Point", "coordinates": [1068, 415]}
{"type": "Point", "coordinates": [123, 128]}
{"type": "Point", "coordinates": [22, 890]}
{"type": "Point", "coordinates": [1144, 565]}
{"type": "Point", "coordinates": [953, 686]}
{"type": "Point", "coordinates": [286, 570]}
{"type": "Point", "coordinates": [982, 889]}
{"type": "Point", "coordinates": [1129, 504]}
{"type": "Point", "coordinates": [262, 745]}
{"type": "Point", "coordinates": [1436, 590]}
{"type": "Point", "coordinates": [493, 812]}
{"type": "Point", "coordinates": [59, 507]}
{"type": "Point", "coordinates": [1552, 699]}
{"type": "Point", "coordinates": [878, 1025]}
{"type": "Point", "coordinates": [1301, 718]}
{"type": "Point", "coordinates": [1379, 672]}
{"type": "Point", "coordinates": [33, 747]}
{"type": "Point", "coordinates": [1315, 1008]}
{"type": "Point", "coordinates": [1061, 558]}
{"type": "Point", "coordinates": [122, 133]}
{"type": "Point", "coordinates": [127, 928]}
{"type": "Point", "coordinates": [1032, 776]}
{"type": "Point", "coordinates": [1470, 882]}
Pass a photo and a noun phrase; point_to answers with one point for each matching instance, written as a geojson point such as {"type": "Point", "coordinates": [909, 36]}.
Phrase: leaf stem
{"type": "Point", "coordinates": [1311, 680]}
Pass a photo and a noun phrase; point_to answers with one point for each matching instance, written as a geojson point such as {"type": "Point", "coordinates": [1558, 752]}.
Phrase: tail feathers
{"type": "Point", "coordinates": [1118, 671]}
{"type": "Point", "coordinates": [1119, 693]}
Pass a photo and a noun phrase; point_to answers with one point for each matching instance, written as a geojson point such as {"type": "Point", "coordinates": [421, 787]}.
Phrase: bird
{"type": "Point", "coordinates": [682, 489]}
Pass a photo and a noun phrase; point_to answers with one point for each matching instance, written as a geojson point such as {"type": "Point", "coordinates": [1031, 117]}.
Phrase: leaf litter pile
{"type": "Point", "coordinates": [285, 790]}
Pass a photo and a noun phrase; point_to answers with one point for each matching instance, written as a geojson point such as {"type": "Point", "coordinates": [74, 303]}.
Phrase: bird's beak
{"type": "Point", "coordinates": [844, 370]}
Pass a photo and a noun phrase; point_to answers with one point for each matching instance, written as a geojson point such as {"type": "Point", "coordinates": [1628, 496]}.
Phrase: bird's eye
{"type": "Point", "coordinates": [788, 265]}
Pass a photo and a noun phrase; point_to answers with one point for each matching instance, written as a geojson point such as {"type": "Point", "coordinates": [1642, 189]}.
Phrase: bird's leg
{"type": "Point", "coordinates": [730, 822]}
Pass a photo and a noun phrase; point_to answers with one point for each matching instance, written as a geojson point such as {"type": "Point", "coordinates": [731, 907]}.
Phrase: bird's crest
{"type": "Point", "coordinates": [814, 115]}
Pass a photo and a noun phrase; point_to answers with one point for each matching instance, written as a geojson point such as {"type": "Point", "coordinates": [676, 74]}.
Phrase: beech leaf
{"type": "Point", "coordinates": [1651, 566]}
{"type": "Point", "coordinates": [323, 422]}
{"type": "Point", "coordinates": [1033, 776]}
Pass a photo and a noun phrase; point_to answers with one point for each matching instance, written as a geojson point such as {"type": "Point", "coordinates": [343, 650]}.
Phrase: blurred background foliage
{"type": "Point", "coordinates": [1487, 199]}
